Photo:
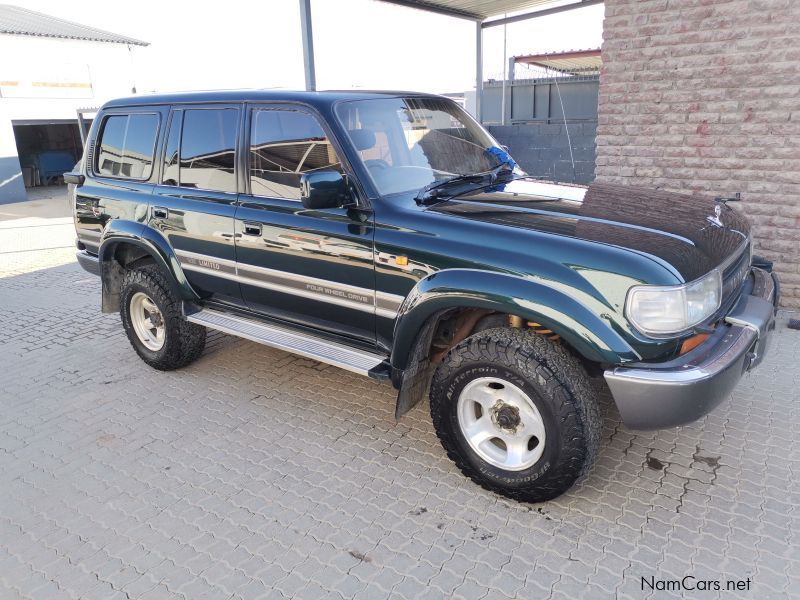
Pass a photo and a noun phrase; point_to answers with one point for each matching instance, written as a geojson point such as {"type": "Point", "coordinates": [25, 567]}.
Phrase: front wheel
{"type": "Point", "coordinates": [516, 413]}
{"type": "Point", "coordinates": [152, 318]}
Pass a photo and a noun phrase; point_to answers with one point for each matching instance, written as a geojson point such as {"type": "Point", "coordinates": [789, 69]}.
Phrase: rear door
{"type": "Point", "coordinates": [312, 267]}
{"type": "Point", "coordinates": [195, 202]}
{"type": "Point", "coordinates": [120, 170]}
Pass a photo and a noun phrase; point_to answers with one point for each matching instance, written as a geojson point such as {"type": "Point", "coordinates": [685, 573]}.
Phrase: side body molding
{"type": "Point", "coordinates": [581, 328]}
{"type": "Point", "coordinates": [151, 242]}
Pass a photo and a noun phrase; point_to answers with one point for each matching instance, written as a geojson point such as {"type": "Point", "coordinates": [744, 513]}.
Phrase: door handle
{"type": "Point", "coordinates": [160, 213]}
{"type": "Point", "coordinates": [252, 229]}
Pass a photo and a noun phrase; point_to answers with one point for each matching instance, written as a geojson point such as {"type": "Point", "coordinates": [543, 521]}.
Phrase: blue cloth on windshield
{"type": "Point", "coordinates": [501, 155]}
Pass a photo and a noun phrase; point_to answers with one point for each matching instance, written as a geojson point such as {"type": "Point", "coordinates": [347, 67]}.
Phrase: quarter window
{"type": "Point", "coordinates": [171, 156]}
{"type": "Point", "coordinates": [127, 145]}
{"type": "Point", "coordinates": [284, 144]}
{"type": "Point", "coordinates": [208, 149]}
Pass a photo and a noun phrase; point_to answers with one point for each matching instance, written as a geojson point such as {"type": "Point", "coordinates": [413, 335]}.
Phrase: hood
{"type": "Point", "coordinates": [689, 235]}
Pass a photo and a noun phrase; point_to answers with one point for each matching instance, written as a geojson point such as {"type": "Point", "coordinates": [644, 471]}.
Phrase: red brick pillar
{"type": "Point", "coordinates": [703, 96]}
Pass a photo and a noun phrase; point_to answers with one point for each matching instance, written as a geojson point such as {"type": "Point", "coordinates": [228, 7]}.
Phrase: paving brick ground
{"type": "Point", "coordinates": [256, 473]}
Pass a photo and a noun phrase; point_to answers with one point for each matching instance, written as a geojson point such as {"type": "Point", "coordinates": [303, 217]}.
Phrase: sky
{"type": "Point", "coordinates": [358, 43]}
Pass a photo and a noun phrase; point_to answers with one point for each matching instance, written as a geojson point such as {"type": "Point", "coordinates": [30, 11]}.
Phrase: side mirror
{"type": "Point", "coordinates": [323, 189]}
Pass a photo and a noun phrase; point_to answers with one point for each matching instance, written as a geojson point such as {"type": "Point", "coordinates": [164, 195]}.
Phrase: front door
{"type": "Point", "coordinates": [194, 204]}
{"type": "Point", "coordinates": [311, 267]}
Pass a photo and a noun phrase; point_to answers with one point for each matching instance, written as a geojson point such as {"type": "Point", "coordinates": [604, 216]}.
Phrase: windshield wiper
{"type": "Point", "coordinates": [437, 189]}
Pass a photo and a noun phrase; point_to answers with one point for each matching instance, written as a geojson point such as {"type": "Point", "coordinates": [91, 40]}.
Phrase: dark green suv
{"type": "Point", "coordinates": [389, 234]}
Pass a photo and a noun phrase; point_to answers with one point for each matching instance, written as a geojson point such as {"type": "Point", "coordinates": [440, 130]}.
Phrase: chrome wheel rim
{"type": "Point", "coordinates": [501, 423]}
{"type": "Point", "coordinates": [147, 321]}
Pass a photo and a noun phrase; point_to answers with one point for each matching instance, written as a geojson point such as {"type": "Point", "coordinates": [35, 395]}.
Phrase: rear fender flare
{"type": "Point", "coordinates": [151, 242]}
{"type": "Point", "coordinates": [586, 332]}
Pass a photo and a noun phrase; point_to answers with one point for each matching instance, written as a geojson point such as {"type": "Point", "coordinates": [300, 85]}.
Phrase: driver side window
{"type": "Point", "coordinates": [284, 144]}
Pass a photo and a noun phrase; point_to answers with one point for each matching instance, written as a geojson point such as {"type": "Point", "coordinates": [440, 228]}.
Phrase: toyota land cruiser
{"type": "Point", "coordinates": [389, 234]}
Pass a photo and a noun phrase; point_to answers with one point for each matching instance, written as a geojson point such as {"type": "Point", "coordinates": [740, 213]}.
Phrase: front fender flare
{"type": "Point", "coordinates": [586, 332]}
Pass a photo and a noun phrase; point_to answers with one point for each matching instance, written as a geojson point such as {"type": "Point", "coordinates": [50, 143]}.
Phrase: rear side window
{"type": "Point", "coordinates": [284, 144]}
{"type": "Point", "coordinates": [208, 149]}
{"type": "Point", "coordinates": [127, 146]}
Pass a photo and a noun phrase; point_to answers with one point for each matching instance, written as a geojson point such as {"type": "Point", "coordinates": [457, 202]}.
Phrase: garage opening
{"type": "Point", "coordinates": [46, 150]}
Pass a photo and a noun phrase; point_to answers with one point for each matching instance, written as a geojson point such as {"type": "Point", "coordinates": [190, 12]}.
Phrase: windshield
{"type": "Point", "coordinates": [409, 143]}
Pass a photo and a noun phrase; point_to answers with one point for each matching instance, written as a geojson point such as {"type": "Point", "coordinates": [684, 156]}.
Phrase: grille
{"type": "Point", "coordinates": [733, 277]}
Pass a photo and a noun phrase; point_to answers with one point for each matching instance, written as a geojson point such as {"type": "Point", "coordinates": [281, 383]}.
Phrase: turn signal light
{"type": "Point", "coordinates": [693, 342]}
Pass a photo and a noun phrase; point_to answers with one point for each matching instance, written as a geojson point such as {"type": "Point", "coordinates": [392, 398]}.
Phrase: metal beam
{"type": "Point", "coordinates": [478, 70]}
{"type": "Point", "coordinates": [435, 8]}
{"type": "Point", "coordinates": [534, 58]}
{"type": "Point", "coordinates": [308, 45]}
{"type": "Point", "coordinates": [540, 13]}
{"type": "Point", "coordinates": [82, 128]}
{"type": "Point", "coordinates": [82, 112]}
{"type": "Point", "coordinates": [26, 122]}
{"type": "Point", "coordinates": [505, 76]}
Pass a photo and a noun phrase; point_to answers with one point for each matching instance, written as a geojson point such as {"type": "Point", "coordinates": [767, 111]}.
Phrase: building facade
{"type": "Point", "coordinates": [702, 96]}
{"type": "Point", "coordinates": [58, 67]}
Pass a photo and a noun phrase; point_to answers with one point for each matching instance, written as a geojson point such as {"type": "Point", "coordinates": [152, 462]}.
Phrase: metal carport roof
{"type": "Point", "coordinates": [15, 20]}
{"type": "Point", "coordinates": [480, 11]}
{"type": "Point", "coordinates": [573, 62]}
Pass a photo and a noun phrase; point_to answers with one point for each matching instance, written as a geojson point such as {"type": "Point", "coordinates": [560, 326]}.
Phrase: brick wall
{"type": "Point", "coordinates": [542, 149]}
{"type": "Point", "coordinates": [704, 96]}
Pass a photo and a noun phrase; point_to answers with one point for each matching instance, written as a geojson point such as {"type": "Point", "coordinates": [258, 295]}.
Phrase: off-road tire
{"type": "Point", "coordinates": [183, 341]}
{"type": "Point", "coordinates": [557, 384]}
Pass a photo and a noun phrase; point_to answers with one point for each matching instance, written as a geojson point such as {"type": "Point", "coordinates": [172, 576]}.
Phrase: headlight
{"type": "Point", "coordinates": [668, 309]}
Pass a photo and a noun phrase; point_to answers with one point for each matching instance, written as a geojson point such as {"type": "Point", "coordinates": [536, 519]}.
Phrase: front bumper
{"type": "Point", "coordinates": [683, 390]}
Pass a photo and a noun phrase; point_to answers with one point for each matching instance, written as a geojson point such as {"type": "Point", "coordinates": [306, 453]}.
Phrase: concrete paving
{"type": "Point", "coordinates": [255, 473]}
{"type": "Point", "coordinates": [42, 202]}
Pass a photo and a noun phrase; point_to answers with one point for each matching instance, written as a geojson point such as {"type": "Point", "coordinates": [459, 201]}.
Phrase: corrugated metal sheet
{"type": "Point", "coordinates": [574, 62]}
{"type": "Point", "coordinates": [476, 9]}
{"type": "Point", "coordinates": [15, 20]}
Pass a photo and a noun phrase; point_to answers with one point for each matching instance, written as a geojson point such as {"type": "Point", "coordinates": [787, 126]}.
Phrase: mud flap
{"type": "Point", "coordinates": [418, 373]}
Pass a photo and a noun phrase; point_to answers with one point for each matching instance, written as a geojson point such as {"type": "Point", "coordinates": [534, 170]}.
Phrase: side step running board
{"type": "Point", "coordinates": [339, 355]}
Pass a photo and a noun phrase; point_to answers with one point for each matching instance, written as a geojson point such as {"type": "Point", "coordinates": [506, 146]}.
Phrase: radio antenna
{"type": "Point", "coordinates": [566, 127]}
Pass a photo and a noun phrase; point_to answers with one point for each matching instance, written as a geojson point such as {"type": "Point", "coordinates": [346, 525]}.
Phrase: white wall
{"type": "Point", "coordinates": [107, 67]}
{"type": "Point", "coordinates": [49, 79]}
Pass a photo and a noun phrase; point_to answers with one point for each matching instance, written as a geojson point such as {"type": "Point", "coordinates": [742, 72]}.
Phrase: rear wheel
{"type": "Point", "coordinates": [516, 413]}
{"type": "Point", "coordinates": [152, 318]}
{"type": "Point", "coordinates": [147, 322]}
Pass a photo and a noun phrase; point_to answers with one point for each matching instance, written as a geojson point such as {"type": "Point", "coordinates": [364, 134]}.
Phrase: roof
{"type": "Point", "coordinates": [16, 20]}
{"type": "Point", "coordinates": [572, 62]}
{"type": "Point", "coordinates": [479, 10]}
{"type": "Point", "coordinates": [313, 98]}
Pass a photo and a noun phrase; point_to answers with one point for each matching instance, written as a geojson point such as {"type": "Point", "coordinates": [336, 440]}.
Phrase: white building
{"type": "Point", "coordinates": [51, 69]}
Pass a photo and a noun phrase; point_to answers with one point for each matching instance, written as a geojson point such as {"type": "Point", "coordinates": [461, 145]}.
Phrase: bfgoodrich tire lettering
{"type": "Point", "coordinates": [557, 385]}
{"type": "Point", "coordinates": [183, 341]}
